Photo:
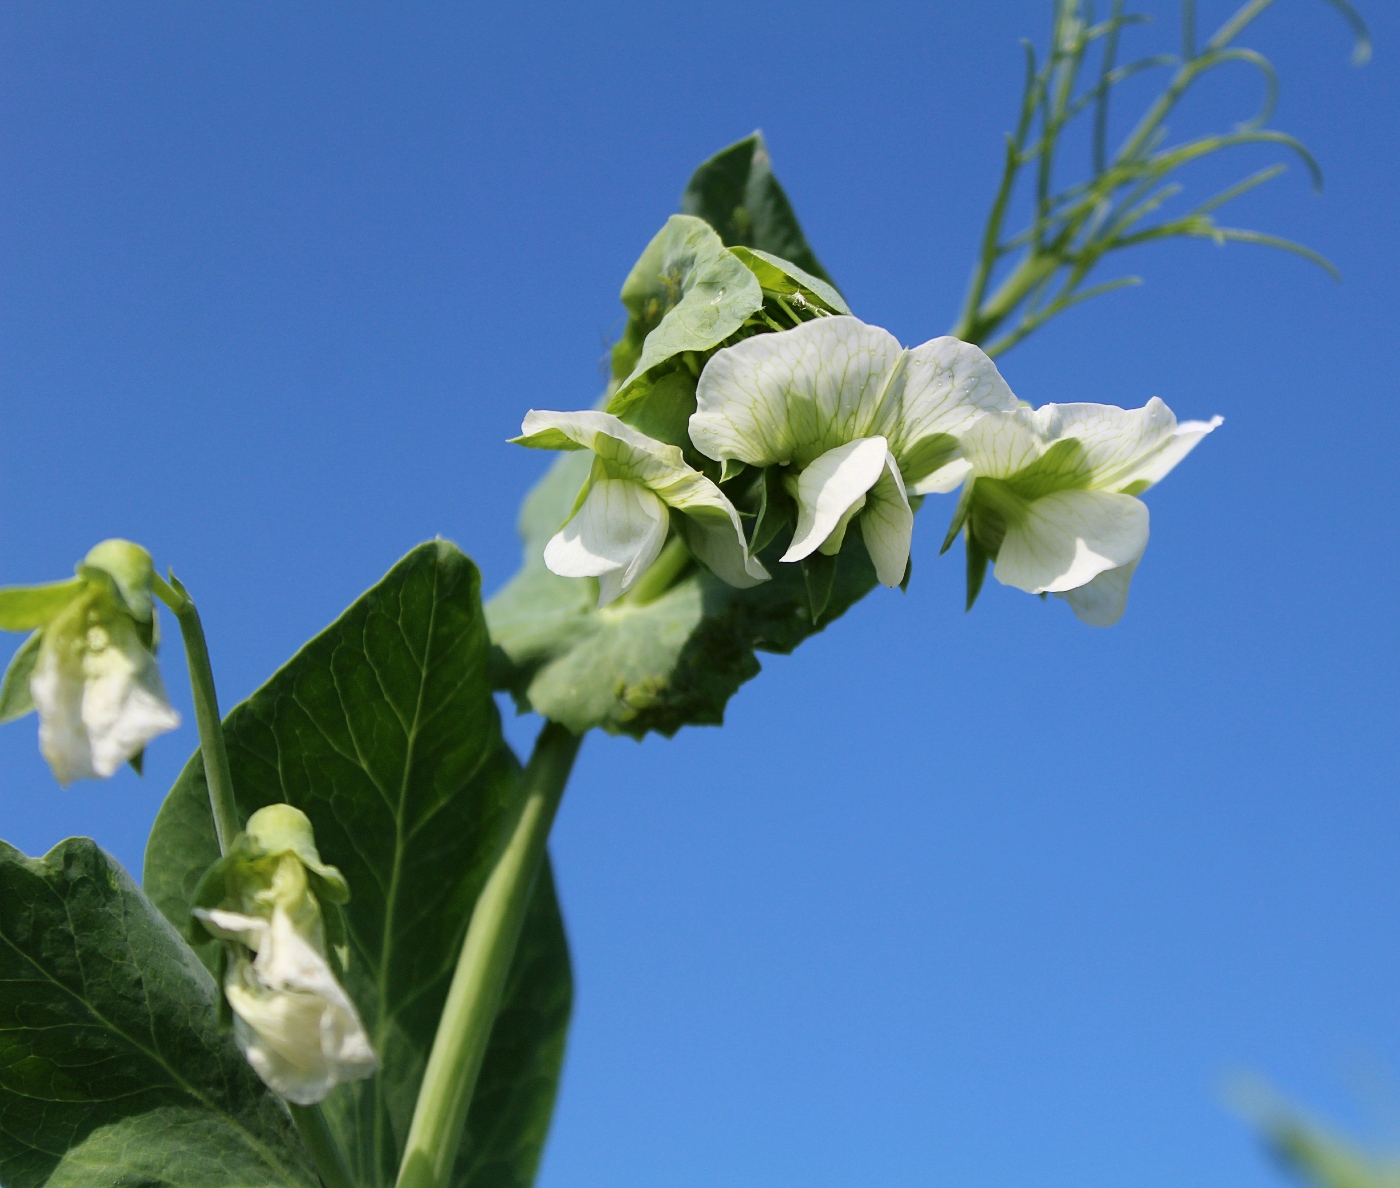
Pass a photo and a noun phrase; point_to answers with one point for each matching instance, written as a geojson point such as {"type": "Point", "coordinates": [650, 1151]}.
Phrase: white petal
{"type": "Point", "coordinates": [1116, 441]}
{"type": "Point", "coordinates": [56, 687]}
{"type": "Point", "coordinates": [943, 387]}
{"type": "Point", "coordinates": [1068, 538]}
{"type": "Point", "coordinates": [297, 1026]}
{"type": "Point", "coordinates": [100, 699]}
{"type": "Point", "coordinates": [233, 926]}
{"type": "Point", "coordinates": [944, 479]}
{"type": "Point", "coordinates": [626, 453]}
{"type": "Point", "coordinates": [615, 536]}
{"type": "Point", "coordinates": [887, 524]}
{"type": "Point", "coordinates": [713, 530]}
{"type": "Point", "coordinates": [1154, 469]}
{"type": "Point", "coordinates": [790, 397]}
{"type": "Point", "coordinates": [1001, 443]}
{"type": "Point", "coordinates": [1101, 603]}
{"type": "Point", "coordinates": [829, 486]}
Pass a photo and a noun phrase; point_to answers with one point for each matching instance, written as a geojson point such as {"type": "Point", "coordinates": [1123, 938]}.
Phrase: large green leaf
{"type": "Point", "coordinates": [383, 731]}
{"type": "Point", "coordinates": [736, 193]}
{"type": "Point", "coordinates": [632, 669]}
{"type": "Point", "coordinates": [113, 1070]}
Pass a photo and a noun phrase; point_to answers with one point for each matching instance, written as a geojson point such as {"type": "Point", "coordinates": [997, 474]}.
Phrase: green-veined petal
{"type": "Point", "coordinates": [614, 536]}
{"type": "Point", "coordinates": [1101, 603]}
{"type": "Point", "coordinates": [1068, 538]}
{"type": "Point", "coordinates": [887, 525]}
{"type": "Point", "coordinates": [791, 397]}
{"type": "Point", "coordinates": [829, 489]}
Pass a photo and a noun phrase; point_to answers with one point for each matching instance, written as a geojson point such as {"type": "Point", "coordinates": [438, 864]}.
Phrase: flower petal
{"type": "Point", "coordinates": [948, 477]}
{"type": "Point", "coordinates": [1066, 539]}
{"type": "Point", "coordinates": [1101, 603]}
{"type": "Point", "coordinates": [1152, 470]}
{"type": "Point", "coordinates": [1001, 443]}
{"type": "Point", "coordinates": [615, 536]}
{"type": "Point", "coordinates": [713, 530]}
{"type": "Point", "coordinates": [625, 452]}
{"type": "Point", "coordinates": [944, 386]}
{"type": "Point", "coordinates": [295, 1023]}
{"type": "Point", "coordinates": [99, 696]}
{"type": "Point", "coordinates": [829, 486]}
{"type": "Point", "coordinates": [887, 524]}
{"type": "Point", "coordinates": [792, 396]}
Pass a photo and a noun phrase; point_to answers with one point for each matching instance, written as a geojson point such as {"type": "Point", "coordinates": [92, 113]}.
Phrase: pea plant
{"type": "Point", "coordinates": [345, 962]}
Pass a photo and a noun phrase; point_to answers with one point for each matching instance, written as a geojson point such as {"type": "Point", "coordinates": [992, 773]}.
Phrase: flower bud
{"type": "Point", "coordinates": [267, 900]}
{"type": "Point", "coordinates": [89, 668]}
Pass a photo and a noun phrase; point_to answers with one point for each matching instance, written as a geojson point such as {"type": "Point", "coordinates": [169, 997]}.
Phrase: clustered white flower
{"type": "Point", "coordinates": [860, 429]}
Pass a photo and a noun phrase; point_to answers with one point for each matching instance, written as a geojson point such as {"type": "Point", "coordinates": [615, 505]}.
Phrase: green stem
{"type": "Point", "coordinates": [440, 1114]}
{"type": "Point", "coordinates": [661, 575]}
{"type": "Point", "coordinates": [206, 711]}
{"type": "Point", "coordinates": [311, 1124]}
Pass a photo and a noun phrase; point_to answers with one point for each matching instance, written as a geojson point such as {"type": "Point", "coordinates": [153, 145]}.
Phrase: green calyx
{"type": "Point", "coordinates": [273, 862]}
{"type": "Point", "coordinates": [127, 567]}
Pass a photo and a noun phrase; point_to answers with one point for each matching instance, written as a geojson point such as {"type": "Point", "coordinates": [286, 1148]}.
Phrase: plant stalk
{"type": "Point", "coordinates": [206, 711]}
{"type": "Point", "coordinates": [311, 1124]}
{"type": "Point", "coordinates": [310, 1121]}
{"type": "Point", "coordinates": [440, 1115]}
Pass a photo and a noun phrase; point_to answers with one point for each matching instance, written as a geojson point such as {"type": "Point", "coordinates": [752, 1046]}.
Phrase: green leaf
{"type": "Point", "coordinates": [657, 667]}
{"type": "Point", "coordinates": [384, 732]}
{"type": "Point", "coordinates": [15, 700]}
{"type": "Point", "coordinates": [776, 275]}
{"type": "Point", "coordinates": [114, 1070]}
{"type": "Point", "coordinates": [24, 608]}
{"type": "Point", "coordinates": [736, 193]}
{"type": "Point", "coordinates": [685, 293]}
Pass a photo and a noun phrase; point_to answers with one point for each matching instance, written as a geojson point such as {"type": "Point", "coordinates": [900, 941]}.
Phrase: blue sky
{"type": "Point", "coordinates": [972, 900]}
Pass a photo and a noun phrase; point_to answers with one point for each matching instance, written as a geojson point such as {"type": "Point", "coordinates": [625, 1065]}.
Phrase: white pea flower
{"type": "Point", "coordinates": [292, 1018]}
{"type": "Point", "coordinates": [89, 668]}
{"type": "Point", "coordinates": [861, 422]}
{"type": "Point", "coordinates": [1051, 494]}
{"type": "Point", "coordinates": [621, 525]}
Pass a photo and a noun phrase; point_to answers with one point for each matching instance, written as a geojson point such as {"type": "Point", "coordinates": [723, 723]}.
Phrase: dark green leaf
{"type": "Point", "coordinates": [113, 1069]}
{"type": "Point", "coordinates": [818, 573]}
{"type": "Point", "coordinates": [632, 669]}
{"type": "Point", "coordinates": [736, 193]}
{"type": "Point", "coordinates": [384, 732]}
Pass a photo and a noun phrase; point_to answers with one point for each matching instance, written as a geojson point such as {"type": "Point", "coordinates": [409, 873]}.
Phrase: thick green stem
{"type": "Point", "coordinates": [206, 711]}
{"type": "Point", "coordinates": [311, 1124]}
{"type": "Point", "coordinates": [475, 995]}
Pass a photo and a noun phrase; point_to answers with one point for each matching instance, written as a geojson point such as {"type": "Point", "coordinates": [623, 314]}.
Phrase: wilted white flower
{"type": "Point", "coordinates": [1051, 495]}
{"type": "Point", "coordinates": [90, 667]}
{"type": "Point", "coordinates": [621, 525]}
{"type": "Point", "coordinates": [292, 1018]}
{"type": "Point", "coordinates": [861, 422]}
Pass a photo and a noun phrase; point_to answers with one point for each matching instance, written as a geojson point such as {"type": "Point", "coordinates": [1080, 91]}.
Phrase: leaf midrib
{"type": "Point", "coordinates": [386, 944]}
